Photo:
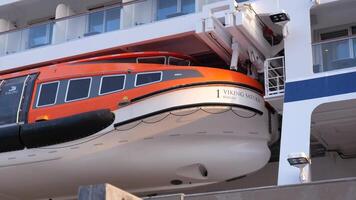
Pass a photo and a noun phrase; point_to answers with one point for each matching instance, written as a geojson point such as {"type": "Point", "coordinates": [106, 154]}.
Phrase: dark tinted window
{"type": "Point", "coordinates": [166, 9]}
{"type": "Point", "coordinates": [188, 6]}
{"type": "Point", "coordinates": [147, 78]}
{"type": "Point", "coordinates": [48, 94]}
{"type": "Point", "coordinates": [112, 83]}
{"type": "Point", "coordinates": [334, 34]}
{"type": "Point", "coordinates": [96, 22]}
{"type": "Point", "coordinates": [353, 30]}
{"type": "Point", "coordinates": [154, 60]}
{"type": "Point", "coordinates": [40, 35]}
{"type": "Point", "coordinates": [10, 97]}
{"type": "Point", "coordinates": [78, 89]}
{"type": "Point", "coordinates": [112, 19]}
{"type": "Point", "coordinates": [178, 61]}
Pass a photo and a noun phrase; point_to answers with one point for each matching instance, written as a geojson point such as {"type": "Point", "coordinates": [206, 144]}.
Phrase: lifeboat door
{"type": "Point", "coordinates": [15, 97]}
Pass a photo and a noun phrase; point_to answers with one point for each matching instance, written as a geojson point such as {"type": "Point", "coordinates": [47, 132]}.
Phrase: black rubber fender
{"type": "Point", "coordinates": [46, 133]}
{"type": "Point", "coordinates": [9, 138]}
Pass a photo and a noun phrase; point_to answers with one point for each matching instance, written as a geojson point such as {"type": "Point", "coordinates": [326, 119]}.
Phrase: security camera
{"type": "Point", "coordinates": [280, 18]}
{"type": "Point", "coordinates": [300, 160]}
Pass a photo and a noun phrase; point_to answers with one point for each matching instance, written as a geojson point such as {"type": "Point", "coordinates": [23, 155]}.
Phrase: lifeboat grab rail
{"type": "Point", "coordinates": [274, 76]}
{"type": "Point", "coordinates": [22, 98]}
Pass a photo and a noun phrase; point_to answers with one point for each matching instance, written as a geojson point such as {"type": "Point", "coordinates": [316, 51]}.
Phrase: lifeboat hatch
{"type": "Point", "coordinates": [15, 93]}
{"type": "Point", "coordinates": [195, 171]}
{"type": "Point", "coordinates": [176, 182]}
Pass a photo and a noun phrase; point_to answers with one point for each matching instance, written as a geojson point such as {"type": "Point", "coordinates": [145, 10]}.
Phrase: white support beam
{"type": "Point", "coordinates": [296, 115]}
{"type": "Point", "coordinates": [295, 138]}
{"type": "Point", "coordinates": [213, 33]}
{"type": "Point", "coordinates": [5, 25]}
{"type": "Point", "coordinates": [63, 10]}
{"type": "Point", "coordinates": [243, 24]}
{"type": "Point", "coordinates": [235, 56]}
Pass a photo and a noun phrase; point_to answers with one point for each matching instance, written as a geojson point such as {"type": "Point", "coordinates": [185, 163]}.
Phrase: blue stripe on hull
{"type": "Point", "coordinates": [320, 87]}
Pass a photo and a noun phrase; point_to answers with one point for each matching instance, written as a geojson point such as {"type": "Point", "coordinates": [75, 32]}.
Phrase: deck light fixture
{"type": "Point", "coordinates": [280, 18]}
{"type": "Point", "coordinates": [300, 160]}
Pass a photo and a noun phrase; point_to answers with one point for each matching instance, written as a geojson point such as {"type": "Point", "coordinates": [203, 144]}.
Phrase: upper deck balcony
{"type": "Point", "coordinates": [126, 25]}
{"type": "Point", "coordinates": [334, 37]}
{"type": "Point", "coordinates": [336, 53]}
{"type": "Point", "coordinates": [112, 18]}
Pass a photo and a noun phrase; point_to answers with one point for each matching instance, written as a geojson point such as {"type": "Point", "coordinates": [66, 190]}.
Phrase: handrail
{"type": "Point", "coordinates": [274, 58]}
{"type": "Point", "coordinates": [334, 40]}
{"type": "Point", "coordinates": [274, 77]}
{"type": "Point", "coordinates": [72, 16]}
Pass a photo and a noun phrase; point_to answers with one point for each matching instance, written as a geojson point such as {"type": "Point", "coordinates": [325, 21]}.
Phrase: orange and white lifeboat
{"type": "Point", "coordinates": [144, 122]}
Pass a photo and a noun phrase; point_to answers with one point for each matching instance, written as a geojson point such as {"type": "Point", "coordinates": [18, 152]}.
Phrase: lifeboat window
{"type": "Point", "coordinates": [47, 94]}
{"type": "Point", "coordinates": [178, 61]}
{"type": "Point", "coordinates": [153, 60]}
{"type": "Point", "coordinates": [148, 78]}
{"type": "Point", "coordinates": [110, 84]}
{"type": "Point", "coordinates": [78, 89]}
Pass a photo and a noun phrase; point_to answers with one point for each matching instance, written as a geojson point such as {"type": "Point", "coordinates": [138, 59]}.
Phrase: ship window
{"type": "Point", "coordinates": [147, 78]}
{"type": "Point", "coordinates": [152, 60]}
{"type": "Point", "coordinates": [40, 35]}
{"type": "Point", "coordinates": [166, 8]}
{"type": "Point", "coordinates": [173, 8]}
{"type": "Point", "coordinates": [112, 20]}
{"type": "Point", "coordinates": [187, 6]}
{"type": "Point", "coordinates": [353, 30]}
{"type": "Point", "coordinates": [78, 89]}
{"type": "Point", "coordinates": [95, 22]}
{"type": "Point", "coordinates": [334, 34]}
{"type": "Point", "coordinates": [110, 84]}
{"type": "Point", "coordinates": [103, 21]}
{"type": "Point", "coordinates": [178, 61]}
{"type": "Point", "coordinates": [47, 94]}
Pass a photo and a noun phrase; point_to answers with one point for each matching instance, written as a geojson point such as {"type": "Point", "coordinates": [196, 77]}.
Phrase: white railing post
{"type": "Point", "coordinates": [266, 77]}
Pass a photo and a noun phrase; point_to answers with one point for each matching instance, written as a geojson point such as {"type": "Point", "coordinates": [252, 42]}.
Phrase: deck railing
{"type": "Point", "coordinates": [117, 17]}
{"type": "Point", "coordinates": [274, 76]}
{"type": "Point", "coordinates": [334, 54]}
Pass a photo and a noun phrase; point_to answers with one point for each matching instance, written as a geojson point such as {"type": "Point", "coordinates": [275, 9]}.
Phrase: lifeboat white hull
{"type": "Point", "coordinates": [196, 136]}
